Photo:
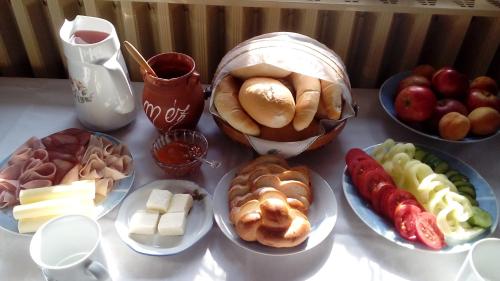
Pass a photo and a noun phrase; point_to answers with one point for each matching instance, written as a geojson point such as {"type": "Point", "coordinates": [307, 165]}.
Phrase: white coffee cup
{"type": "Point", "coordinates": [68, 248]}
{"type": "Point", "coordinates": [481, 263]}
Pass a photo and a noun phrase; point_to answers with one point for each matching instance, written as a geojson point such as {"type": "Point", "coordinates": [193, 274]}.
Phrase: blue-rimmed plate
{"type": "Point", "coordinates": [387, 95]}
{"type": "Point", "coordinates": [484, 196]}
{"type": "Point", "coordinates": [322, 215]}
{"type": "Point", "coordinates": [114, 197]}
{"type": "Point", "coordinates": [198, 222]}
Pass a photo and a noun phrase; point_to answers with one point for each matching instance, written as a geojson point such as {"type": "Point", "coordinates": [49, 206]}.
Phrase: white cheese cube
{"type": "Point", "coordinates": [181, 203]}
{"type": "Point", "coordinates": [144, 222]}
{"type": "Point", "coordinates": [172, 224]}
{"type": "Point", "coordinates": [159, 199]}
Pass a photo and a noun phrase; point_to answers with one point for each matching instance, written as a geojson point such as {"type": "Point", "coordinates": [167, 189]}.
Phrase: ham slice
{"type": "Point", "coordinates": [11, 186]}
{"type": "Point", "coordinates": [36, 184]}
{"type": "Point", "coordinates": [68, 145]}
{"type": "Point", "coordinates": [36, 171]}
{"type": "Point", "coordinates": [92, 170]}
{"type": "Point", "coordinates": [105, 160]}
{"type": "Point", "coordinates": [7, 199]}
{"type": "Point", "coordinates": [103, 186]}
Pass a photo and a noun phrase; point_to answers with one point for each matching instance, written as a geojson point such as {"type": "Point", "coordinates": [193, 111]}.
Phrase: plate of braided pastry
{"type": "Point", "coordinates": [269, 207]}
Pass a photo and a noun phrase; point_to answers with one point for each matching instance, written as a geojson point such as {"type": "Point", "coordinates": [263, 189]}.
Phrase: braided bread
{"type": "Point", "coordinates": [268, 202]}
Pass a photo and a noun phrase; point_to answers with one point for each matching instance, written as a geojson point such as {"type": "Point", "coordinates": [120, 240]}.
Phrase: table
{"type": "Point", "coordinates": [351, 252]}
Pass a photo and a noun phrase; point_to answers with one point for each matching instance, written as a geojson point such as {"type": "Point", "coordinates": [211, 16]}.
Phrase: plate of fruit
{"type": "Point", "coordinates": [443, 104]}
{"type": "Point", "coordinates": [418, 197]}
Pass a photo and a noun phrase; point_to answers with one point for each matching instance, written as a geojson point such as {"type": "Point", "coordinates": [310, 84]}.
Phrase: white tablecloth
{"type": "Point", "coordinates": [352, 251]}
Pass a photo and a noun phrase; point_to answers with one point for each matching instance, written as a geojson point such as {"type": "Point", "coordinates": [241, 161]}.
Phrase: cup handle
{"type": "Point", "coordinates": [98, 271]}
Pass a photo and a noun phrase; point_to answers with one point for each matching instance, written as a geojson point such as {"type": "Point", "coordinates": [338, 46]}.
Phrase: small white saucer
{"type": "Point", "coordinates": [199, 220]}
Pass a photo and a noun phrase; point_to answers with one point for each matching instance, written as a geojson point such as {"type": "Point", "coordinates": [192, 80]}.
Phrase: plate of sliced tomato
{"type": "Point", "coordinates": [395, 213]}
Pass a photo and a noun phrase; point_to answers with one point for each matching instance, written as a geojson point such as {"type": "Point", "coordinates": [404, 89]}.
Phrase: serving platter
{"type": "Point", "coordinates": [322, 215]}
{"type": "Point", "coordinates": [484, 196]}
{"type": "Point", "coordinates": [387, 95]}
{"type": "Point", "coordinates": [114, 197]}
{"type": "Point", "coordinates": [199, 220]}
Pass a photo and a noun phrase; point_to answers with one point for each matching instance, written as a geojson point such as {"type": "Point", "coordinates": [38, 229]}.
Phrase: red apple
{"type": "Point", "coordinates": [415, 104]}
{"type": "Point", "coordinates": [481, 98]}
{"type": "Point", "coordinates": [425, 70]}
{"type": "Point", "coordinates": [414, 80]}
{"type": "Point", "coordinates": [450, 83]}
{"type": "Point", "coordinates": [443, 107]}
{"type": "Point", "coordinates": [485, 83]}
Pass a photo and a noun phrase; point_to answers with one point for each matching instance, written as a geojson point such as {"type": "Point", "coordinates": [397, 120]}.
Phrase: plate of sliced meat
{"type": "Point", "coordinates": [71, 171]}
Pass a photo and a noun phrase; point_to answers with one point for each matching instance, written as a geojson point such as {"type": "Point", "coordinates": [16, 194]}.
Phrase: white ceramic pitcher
{"type": "Point", "coordinates": [99, 78]}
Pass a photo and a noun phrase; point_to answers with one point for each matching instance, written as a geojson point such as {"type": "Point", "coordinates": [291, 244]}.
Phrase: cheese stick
{"type": "Point", "coordinates": [51, 207]}
{"type": "Point", "coordinates": [80, 189]}
{"type": "Point", "coordinates": [32, 224]}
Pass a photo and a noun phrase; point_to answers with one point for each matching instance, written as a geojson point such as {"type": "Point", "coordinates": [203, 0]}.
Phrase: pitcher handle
{"type": "Point", "coordinates": [98, 271]}
{"type": "Point", "coordinates": [126, 101]}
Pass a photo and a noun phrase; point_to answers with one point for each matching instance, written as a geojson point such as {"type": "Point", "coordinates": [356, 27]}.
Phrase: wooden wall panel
{"type": "Point", "coordinates": [370, 44]}
{"type": "Point", "coordinates": [374, 38]}
{"type": "Point", "coordinates": [445, 37]}
{"type": "Point", "coordinates": [480, 45]}
{"type": "Point", "coordinates": [163, 28]}
{"type": "Point", "coordinates": [198, 35]}
{"type": "Point", "coordinates": [13, 57]}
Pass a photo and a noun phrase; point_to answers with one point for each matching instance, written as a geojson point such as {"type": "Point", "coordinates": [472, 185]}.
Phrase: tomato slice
{"type": "Point", "coordinates": [384, 200]}
{"type": "Point", "coordinates": [377, 193]}
{"type": "Point", "coordinates": [361, 167]}
{"type": "Point", "coordinates": [354, 154]}
{"type": "Point", "coordinates": [369, 180]}
{"type": "Point", "coordinates": [428, 232]}
{"type": "Point", "coordinates": [352, 163]}
{"type": "Point", "coordinates": [393, 201]}
{"type": "Point", "coordinates": [405, 218]}
{"type": "Point", "coordinates": [413, 202]}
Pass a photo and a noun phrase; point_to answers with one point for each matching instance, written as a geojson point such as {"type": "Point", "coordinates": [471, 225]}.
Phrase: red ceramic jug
{"type": "Point", "coordinates": [174, 99]}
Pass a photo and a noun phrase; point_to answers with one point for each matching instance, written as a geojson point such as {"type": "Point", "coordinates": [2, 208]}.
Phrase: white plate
{"type": "Point", "coordinates": [199, 220]}
{"type": "Point", "coordinates": [322, 216]}
{"type": "Point", "coordinates": [113, 198]}
{"type": "Point", "coordinates": [484, 196]}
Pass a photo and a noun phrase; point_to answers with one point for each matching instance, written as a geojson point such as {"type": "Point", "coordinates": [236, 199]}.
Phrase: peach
{"type": "Point", "coordinates": [454, 126]}
{"type": "Point", "coordinates": [485, 83]}
{"type": "Point", "coordinates": [484, 121]}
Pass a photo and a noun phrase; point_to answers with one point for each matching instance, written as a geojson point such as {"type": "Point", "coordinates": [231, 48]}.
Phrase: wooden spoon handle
{"type": "Point", "coordinates": [138, 58]}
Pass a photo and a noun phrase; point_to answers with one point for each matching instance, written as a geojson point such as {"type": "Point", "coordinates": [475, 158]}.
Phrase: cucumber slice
{"type": "Point", "coordinates": [419, 154]}
{"type": "Point", "coordinates": [461, 183]}
{"type": "Point", "coordinates": [467, 190]}
{"type": "Point", "coordinates": [472, 201]}
{"type": "Point", "coordinates": [441, 168]}
{"type": "Point", "coordinates": [458, 177]}
{"type": "Point", "coordinates": [480, 218]}
{"type": "Point", "coordinates": [451, 173]}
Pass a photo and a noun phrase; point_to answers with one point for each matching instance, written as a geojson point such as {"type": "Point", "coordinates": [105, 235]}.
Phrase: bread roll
{"type": "Point", "coordinates": [267, 101]}
{"type": "Point", "coordinates": [260, 70]}
{"type": "Point", "coordinates": [331, 98]}
{"type": "Point", "coordinates": [307, 95]}
{"type": "Point", "coordinates": [229, 108]}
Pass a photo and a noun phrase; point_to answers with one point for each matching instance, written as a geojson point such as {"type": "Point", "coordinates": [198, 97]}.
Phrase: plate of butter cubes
{"type": "Point", "coordinates": [165, 217]}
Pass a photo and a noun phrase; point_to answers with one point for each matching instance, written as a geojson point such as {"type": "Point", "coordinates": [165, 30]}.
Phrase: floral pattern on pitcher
{"type": "Point", "coordinates": [80, 92]}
